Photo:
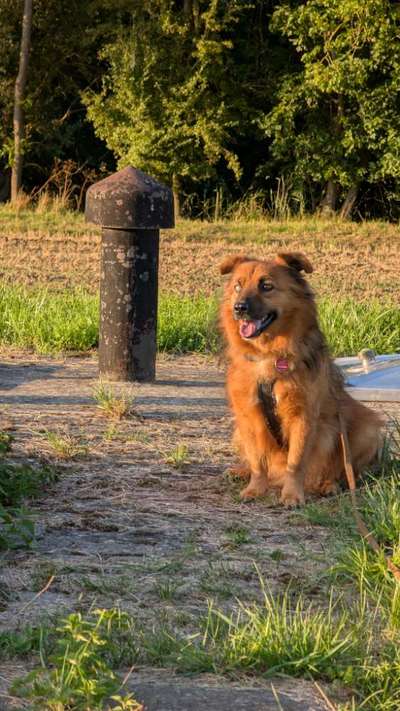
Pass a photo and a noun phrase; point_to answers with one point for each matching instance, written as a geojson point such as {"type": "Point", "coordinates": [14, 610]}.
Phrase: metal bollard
{"type": "Point", "coordinates": [131, 207]}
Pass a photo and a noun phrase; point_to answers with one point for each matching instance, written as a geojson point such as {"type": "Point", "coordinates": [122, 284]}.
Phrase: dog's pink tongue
{"type": "Point", "coordinates": [248, 328]}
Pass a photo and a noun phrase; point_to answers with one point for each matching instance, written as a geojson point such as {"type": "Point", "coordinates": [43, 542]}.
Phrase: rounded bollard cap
{"type": "Point", "coordinates": [130, 199]}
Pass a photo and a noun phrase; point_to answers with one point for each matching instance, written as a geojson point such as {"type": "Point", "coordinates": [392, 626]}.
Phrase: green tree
{"type": "Point", "coordinates": [66, 37]}
{"type": "Point", "coordinates": [173, 96]}
{"type": "Point", "coordinates": [336, 121]}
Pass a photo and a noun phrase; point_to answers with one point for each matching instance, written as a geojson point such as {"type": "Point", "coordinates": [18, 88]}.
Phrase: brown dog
{"type": "Point", "coordinates": [285, 391]}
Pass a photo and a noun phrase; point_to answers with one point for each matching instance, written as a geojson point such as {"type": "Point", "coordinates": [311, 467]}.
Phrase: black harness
{"type": "Point", "coordinates": [269, 406]}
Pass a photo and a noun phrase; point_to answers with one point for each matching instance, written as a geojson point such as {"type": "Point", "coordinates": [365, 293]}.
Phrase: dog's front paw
{"type": "Point", "coordinates": [254, 489]}
{"type": "Point", "coordinates": [292, 494]}
{"type": "Point", "coordinates": [240, 470]}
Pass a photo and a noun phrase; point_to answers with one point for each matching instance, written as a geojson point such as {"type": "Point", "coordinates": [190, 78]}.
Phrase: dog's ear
{"type": "Point", "coordinates": [295, 260]}
{"type": "Point", "coordinates": [230, 263]}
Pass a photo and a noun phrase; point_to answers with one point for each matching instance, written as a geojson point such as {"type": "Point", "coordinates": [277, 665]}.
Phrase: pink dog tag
{"type": "Point", "coordinates": [282, 365]}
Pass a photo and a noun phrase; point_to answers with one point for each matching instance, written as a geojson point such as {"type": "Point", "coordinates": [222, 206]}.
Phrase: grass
{"type": "Point", "coordinates": [354, 560]}
{"type": "Point", "coordinates": [375, 679]}
{"type": "Point", "coordinates": [112, 404]}
{"type": "Point", "coordinates": [349, 644]}
{"type": "Point", "coordinates": [188, 324]}
{"type": "Point", "coordinates": [55, 248]}
{"type": "Point", "coordinates": [65, 446]}
{"type": "Point", "coordinates": [26, 219]}
{"type": "Point", "coordinates": [166, 589]}
{"type": "Point", "coordinates": [108, 584]}
{"type": "Point", "coordinates": [350, 326]}
{"type": "Point", "coordinates": [237, 535]}
{"type": "Point", "coordinates": [179, 457]}
{"type": "Point", "coordinates": [283, 636]}
{"type": "Point", "coordinates": [58, 219]}
{"type": "Point", "coordinates": [21, 643]}
{"type": "Point", "coordinates": [278, 636]}
{"type": "Point", "coordinates": [49, 322]}
{"type": "Point", "coordinates": [5, 443]}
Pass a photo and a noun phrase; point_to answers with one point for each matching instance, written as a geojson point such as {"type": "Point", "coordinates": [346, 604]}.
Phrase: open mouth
{"type": "Point", "coordinates": [253, 328]}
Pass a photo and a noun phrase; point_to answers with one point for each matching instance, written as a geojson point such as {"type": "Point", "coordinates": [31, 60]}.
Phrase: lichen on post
{"type": "Point", "coordinates": [131, 207]}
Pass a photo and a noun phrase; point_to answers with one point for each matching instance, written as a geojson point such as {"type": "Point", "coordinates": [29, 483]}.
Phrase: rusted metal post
{"type": "Point", "coordinates": [131, 207]}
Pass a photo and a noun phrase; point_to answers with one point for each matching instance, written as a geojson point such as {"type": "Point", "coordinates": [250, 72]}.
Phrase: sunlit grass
{"type": "Point", "coordinates": [49, 322]}
{"type": "Point", "coordinates": [246, 219]}
{"type": "Point", "coordinates": [113, 404]}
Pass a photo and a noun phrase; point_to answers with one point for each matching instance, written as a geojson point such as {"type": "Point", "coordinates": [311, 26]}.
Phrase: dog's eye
{"type": "Point", "coordinates": [265, 285]}
{"type": "Point", "coordinates": [237, 287]}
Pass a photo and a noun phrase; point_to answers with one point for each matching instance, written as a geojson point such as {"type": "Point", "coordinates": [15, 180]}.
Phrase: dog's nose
{"type": "Point", "coordinates": [240, 307]}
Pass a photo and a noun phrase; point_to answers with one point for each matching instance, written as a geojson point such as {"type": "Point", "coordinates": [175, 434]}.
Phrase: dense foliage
{"type": "Point", "coordinates": [217, 97]}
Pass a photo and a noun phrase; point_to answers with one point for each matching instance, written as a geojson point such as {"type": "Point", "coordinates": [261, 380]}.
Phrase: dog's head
{"type": "Point", "coordinates": [262, 297]}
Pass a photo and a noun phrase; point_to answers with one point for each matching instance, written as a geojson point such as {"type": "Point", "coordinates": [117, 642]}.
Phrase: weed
{"type": "Point", "coordinates": [22, 643]}
{"type": "Point", "coordinates": [327, 513]}
{"type": "Point", "coordinates": [5, 443]}
{"type": "Point", "coordinates": [110, 433]}
{"type": "Point", "coordinates": [178, 457]}
{"type": "Point", "coordinates": [18, 483]}
{"type": "Point", "coordinates": [17, 529]}
{"type": "Point", "coordinates": [237, 535]}
{"type": "Point", "coordinates": [112, 404]}
{"type": "Point", "coordinates": [138, 436]}
{"type": "Point", "coordinates": [166, 589]}
{"type": "Point", "coordinates": [78, 673]}
{"type": "Point", "coordinates": [65, 446]}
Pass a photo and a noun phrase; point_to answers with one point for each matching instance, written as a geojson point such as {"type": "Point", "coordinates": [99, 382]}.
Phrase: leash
{"type": "Point", "coordinates": [267, 398]}
{"type": "Point", "coordinates": [351, 480]}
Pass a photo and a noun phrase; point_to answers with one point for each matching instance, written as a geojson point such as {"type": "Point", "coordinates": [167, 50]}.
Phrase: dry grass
{"type": "Point", "coordinates": [64, 446]}
{"type": "Point", "coordinates": [113, 404]}
{"type": "Point", "coordinates": [58, 249]}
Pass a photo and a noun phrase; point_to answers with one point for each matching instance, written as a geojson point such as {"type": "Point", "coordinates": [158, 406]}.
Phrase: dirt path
{"type": "Point", "coordinates": [123, 527]}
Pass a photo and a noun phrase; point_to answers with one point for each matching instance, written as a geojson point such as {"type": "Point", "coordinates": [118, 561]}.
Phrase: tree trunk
{"type": "Point", "coordinates": [218, 205]}
{"type": "Point", "coordinates": [349, 202]}
{"type": "Point", "coordinates": [196, 16]}
{"type": "Point", "coordinates": [328, 202]}
{"type": "Point", "coordinates": [19, 96]}
{"type": "Point", "coordinates": [176, 188]}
